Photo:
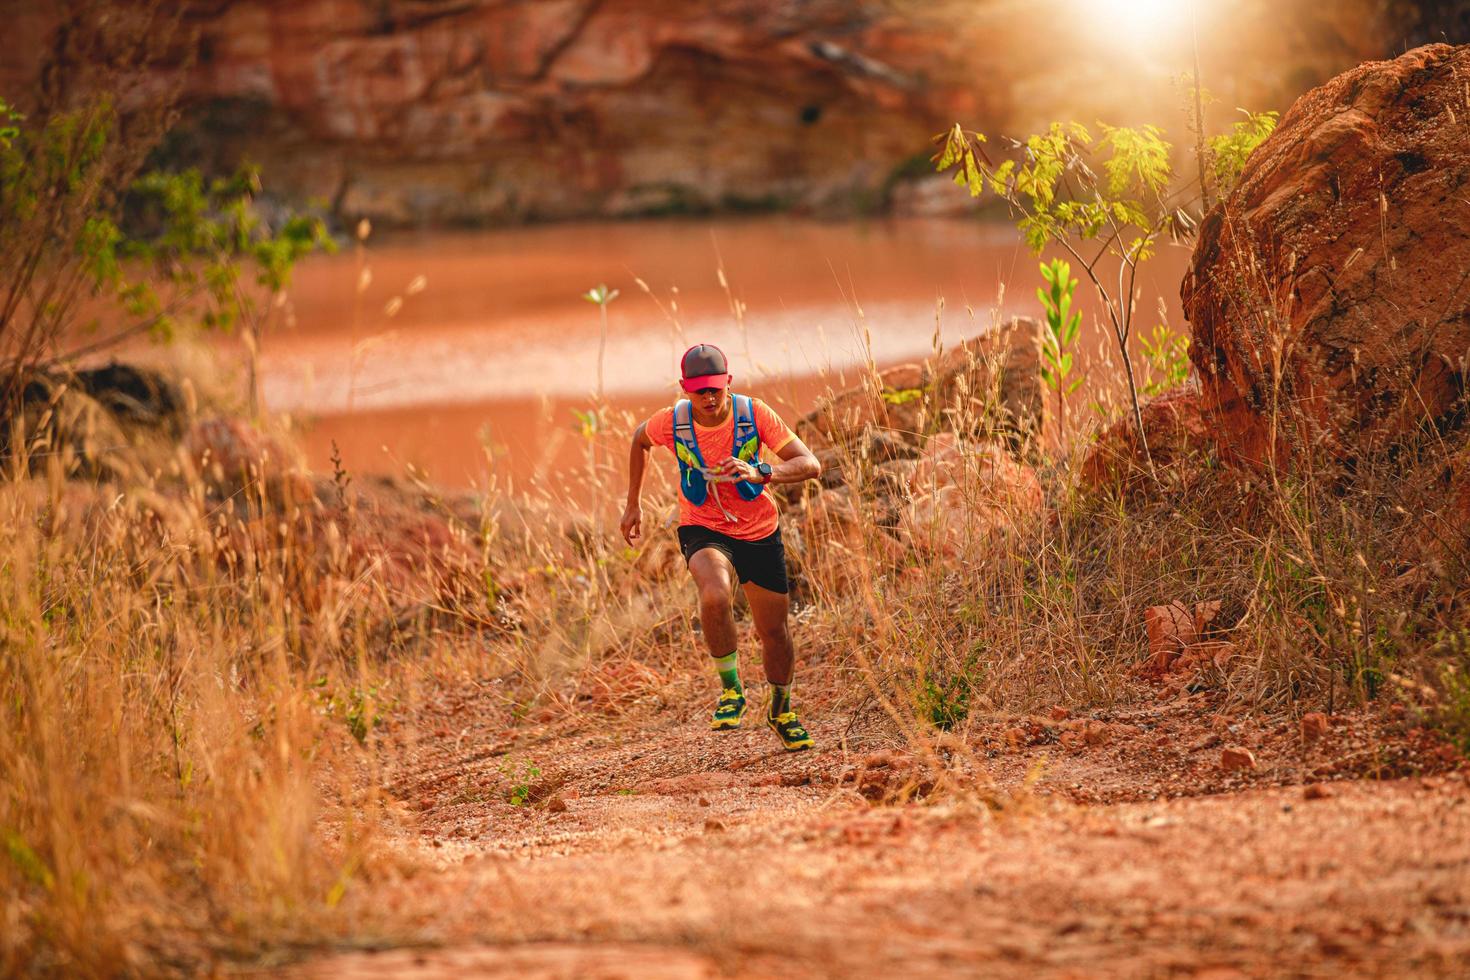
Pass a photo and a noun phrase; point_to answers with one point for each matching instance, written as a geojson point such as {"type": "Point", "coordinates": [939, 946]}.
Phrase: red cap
{"type": "Point", "coordinates": [704, 366]}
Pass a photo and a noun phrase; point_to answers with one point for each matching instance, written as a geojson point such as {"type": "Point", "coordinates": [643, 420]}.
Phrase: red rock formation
{"type": "Point", "coordinates": [989, 384]}
{"type": "Point", "coordinates": [1329, 295]}
{"type": "Point", "coordinates": [433, 111]}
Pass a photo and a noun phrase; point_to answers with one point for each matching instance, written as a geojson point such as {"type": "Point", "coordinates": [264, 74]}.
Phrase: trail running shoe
{"type": "Point", "coordinates": [792, 735]}
{"type": "Point", "coordinates": [729, 711]}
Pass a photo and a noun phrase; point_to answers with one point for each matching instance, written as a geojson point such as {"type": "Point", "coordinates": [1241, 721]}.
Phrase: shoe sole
{"type": "Point", "coordinates": [790, 746]}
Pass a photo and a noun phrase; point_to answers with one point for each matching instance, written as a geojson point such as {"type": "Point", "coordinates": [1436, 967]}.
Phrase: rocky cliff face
{"type": "Point", "coordinates": [444, 110]}
{"type": "Point", "coordinates": [474, 111]}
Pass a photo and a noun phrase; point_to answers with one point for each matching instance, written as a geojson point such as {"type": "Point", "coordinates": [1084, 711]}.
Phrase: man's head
{"type": "Point", "coordinates": [705, 375]}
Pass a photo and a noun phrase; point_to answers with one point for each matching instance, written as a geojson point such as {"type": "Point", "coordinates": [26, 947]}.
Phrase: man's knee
{"type": "Point", "coordinates": [715, 593]}
{"type": "Point", "coordinates": [773, 634]}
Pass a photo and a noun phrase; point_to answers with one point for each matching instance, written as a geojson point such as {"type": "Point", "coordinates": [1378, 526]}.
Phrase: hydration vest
{"type": "Point", "coordinates": [746, 446]}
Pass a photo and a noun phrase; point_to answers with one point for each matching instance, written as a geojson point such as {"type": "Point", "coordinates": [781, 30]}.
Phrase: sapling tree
{"type": "Point", "coordinates": [1120, 212]}
{"type": "Point", "coordinates": [1110, 197]}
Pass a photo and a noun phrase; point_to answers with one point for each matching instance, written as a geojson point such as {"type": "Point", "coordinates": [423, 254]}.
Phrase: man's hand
{"type": "Point", "coordinates": [632, 524]}
{"type": "Point", "coordinates": [734, 470]}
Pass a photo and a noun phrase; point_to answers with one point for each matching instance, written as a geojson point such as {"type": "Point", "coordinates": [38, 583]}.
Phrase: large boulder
{"type": "Point", "coordinates": [1328, 293]}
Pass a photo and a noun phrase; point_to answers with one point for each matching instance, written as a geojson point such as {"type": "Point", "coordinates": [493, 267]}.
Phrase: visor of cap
{"type": "Point", "coordinates": [705, 381]}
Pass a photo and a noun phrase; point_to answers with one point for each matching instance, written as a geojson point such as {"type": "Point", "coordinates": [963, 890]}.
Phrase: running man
{"type": "Point", "coordinates": [728, 527]}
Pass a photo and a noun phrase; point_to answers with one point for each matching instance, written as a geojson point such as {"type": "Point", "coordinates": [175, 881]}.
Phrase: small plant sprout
{"type": "Point", "coordinates": [602, 296]}
{"type": "Point", "coordinates": [521, 777]}
{"type": "Point", "coordinates": [1167, 353]}
{"type": "Point", "coordinates": [1062, 324]}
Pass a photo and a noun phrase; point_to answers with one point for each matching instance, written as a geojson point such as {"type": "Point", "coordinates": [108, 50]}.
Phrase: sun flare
{"type": "Point", "coordinates": [1138, 21]}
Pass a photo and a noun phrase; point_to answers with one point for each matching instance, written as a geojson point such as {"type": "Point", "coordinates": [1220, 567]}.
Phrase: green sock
{"type": "Point", "coordinates": [780, 699]}
{"type": "Point", "coordinates": [729, 670]}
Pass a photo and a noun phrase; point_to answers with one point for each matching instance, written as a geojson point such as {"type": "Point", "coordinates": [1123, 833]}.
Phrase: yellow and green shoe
{"type": "Point", "coordinates": [730, 710]}
{"type": "Point", "coordinates": [789, 730]}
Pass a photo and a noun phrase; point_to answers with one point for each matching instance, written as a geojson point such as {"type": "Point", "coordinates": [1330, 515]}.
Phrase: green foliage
{"type": "Point", "coordinates": [1167, 353]}
{"type": "Point", "coordinates": [1058, 193]}
{"type": "Point", "coordinates": [8, 130]}
{"type": "Point", "coordinates": [1454, 681]}
{"type": "Point", "coordinates": [1228, 151]}
{"type": "Point", "coordinates": [943, 696]}
{"type": "Point", "coordinates": [902, 396]}
{"type": "Point", "coordinates": [1062, 326]}
{"type": "Point", "coordinates": [210, 242]}
{"type": "Point", "coordinates": [189, 250]}
{"type": "Point", "coordinates": [521, 775]}
{"type": "Point", "coordinates": [27, 861]}
{"type": "Point", "coordinates": [589, 423]}
{"type": "Point", "coordinates": [361, 710]}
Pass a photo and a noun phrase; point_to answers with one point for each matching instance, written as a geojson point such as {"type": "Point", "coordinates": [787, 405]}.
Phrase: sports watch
{"type": "Point", "coordinates": [764, 469]}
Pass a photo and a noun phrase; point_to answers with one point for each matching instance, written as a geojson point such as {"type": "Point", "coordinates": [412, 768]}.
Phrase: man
{"type": "Point", "coordinates": [728, 527]}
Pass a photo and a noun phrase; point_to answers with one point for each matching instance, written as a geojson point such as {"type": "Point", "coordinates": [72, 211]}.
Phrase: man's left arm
{"type": "Point", "coordinates": [797, 463]}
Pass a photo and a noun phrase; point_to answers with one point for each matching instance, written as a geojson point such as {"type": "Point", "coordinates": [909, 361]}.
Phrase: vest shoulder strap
{"type": "Point", "coordinates": [744, 412]}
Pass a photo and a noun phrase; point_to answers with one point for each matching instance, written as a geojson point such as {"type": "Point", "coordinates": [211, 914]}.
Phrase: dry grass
{"type": "Point", "coordinates": [194, 659]}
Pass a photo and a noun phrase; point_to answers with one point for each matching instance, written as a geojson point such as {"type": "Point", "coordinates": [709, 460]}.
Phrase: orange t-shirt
{"type": "Point", "coordinates": [755, 519]}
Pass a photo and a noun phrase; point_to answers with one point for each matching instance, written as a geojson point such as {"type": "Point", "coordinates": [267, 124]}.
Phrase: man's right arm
{"type": "Point", "coordinates": [632, 522]}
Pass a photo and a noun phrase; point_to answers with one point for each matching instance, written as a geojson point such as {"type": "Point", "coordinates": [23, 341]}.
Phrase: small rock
{"type": "Point", "coordinates": [1233, 759]}
{"type": "Point", "coordinates": [713, 826]}
{"type": "Point", "coordinates": [1170, 630]}
{"type": "Point", "coordinates": [1314, 726]}
{"type": "Point", "coordinates": [557, 805]}
{"type": "Point", "coordinates": [1059, 713]}
{"type": "Point", "coordinates": [1316, 791]}
{"type": "Point", "coordinates": [1072, 741]}
{"type": "Point", "coordinates": [1096, 733]}
{"type": "Point", "coordinates": [703, 801]}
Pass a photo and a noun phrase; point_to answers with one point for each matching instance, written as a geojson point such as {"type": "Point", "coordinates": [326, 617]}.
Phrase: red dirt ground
{"type": "Point", "coordinates": [1111, 843]}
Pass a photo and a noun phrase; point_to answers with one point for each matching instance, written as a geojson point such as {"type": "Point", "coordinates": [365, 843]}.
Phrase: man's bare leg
{"type": "Point", "coordinates": [715, 578]}
{"type": "Point", "coordinates": [771, 612]}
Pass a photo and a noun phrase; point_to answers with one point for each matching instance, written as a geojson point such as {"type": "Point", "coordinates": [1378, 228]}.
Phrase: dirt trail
{"type": "Point", "coordinates": [659, 849]}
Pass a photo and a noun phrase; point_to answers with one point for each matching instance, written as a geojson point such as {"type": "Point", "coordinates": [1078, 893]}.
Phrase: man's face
{"type": "Point", "coordinates": [709, 401]}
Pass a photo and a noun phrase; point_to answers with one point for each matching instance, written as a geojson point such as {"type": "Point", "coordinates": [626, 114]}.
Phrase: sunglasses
{"type": "Point", "coordinates": [709, 391]}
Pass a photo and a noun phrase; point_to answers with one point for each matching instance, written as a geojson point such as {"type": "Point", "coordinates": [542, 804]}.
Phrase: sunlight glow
{"type": "Point", "coordinates": [1140, 22]}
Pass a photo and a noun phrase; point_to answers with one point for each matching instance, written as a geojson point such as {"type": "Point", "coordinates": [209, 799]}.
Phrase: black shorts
{"type": "Point", "coordinates": [762, 562]}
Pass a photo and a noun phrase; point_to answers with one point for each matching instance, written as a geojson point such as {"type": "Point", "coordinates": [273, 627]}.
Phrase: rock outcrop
{"type": "Point", "coordinates": [1329, 294]}
{"type": "Point", "coordinates": [988, 386]}
{"type": "Point", "coordinates": [931, 457]}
